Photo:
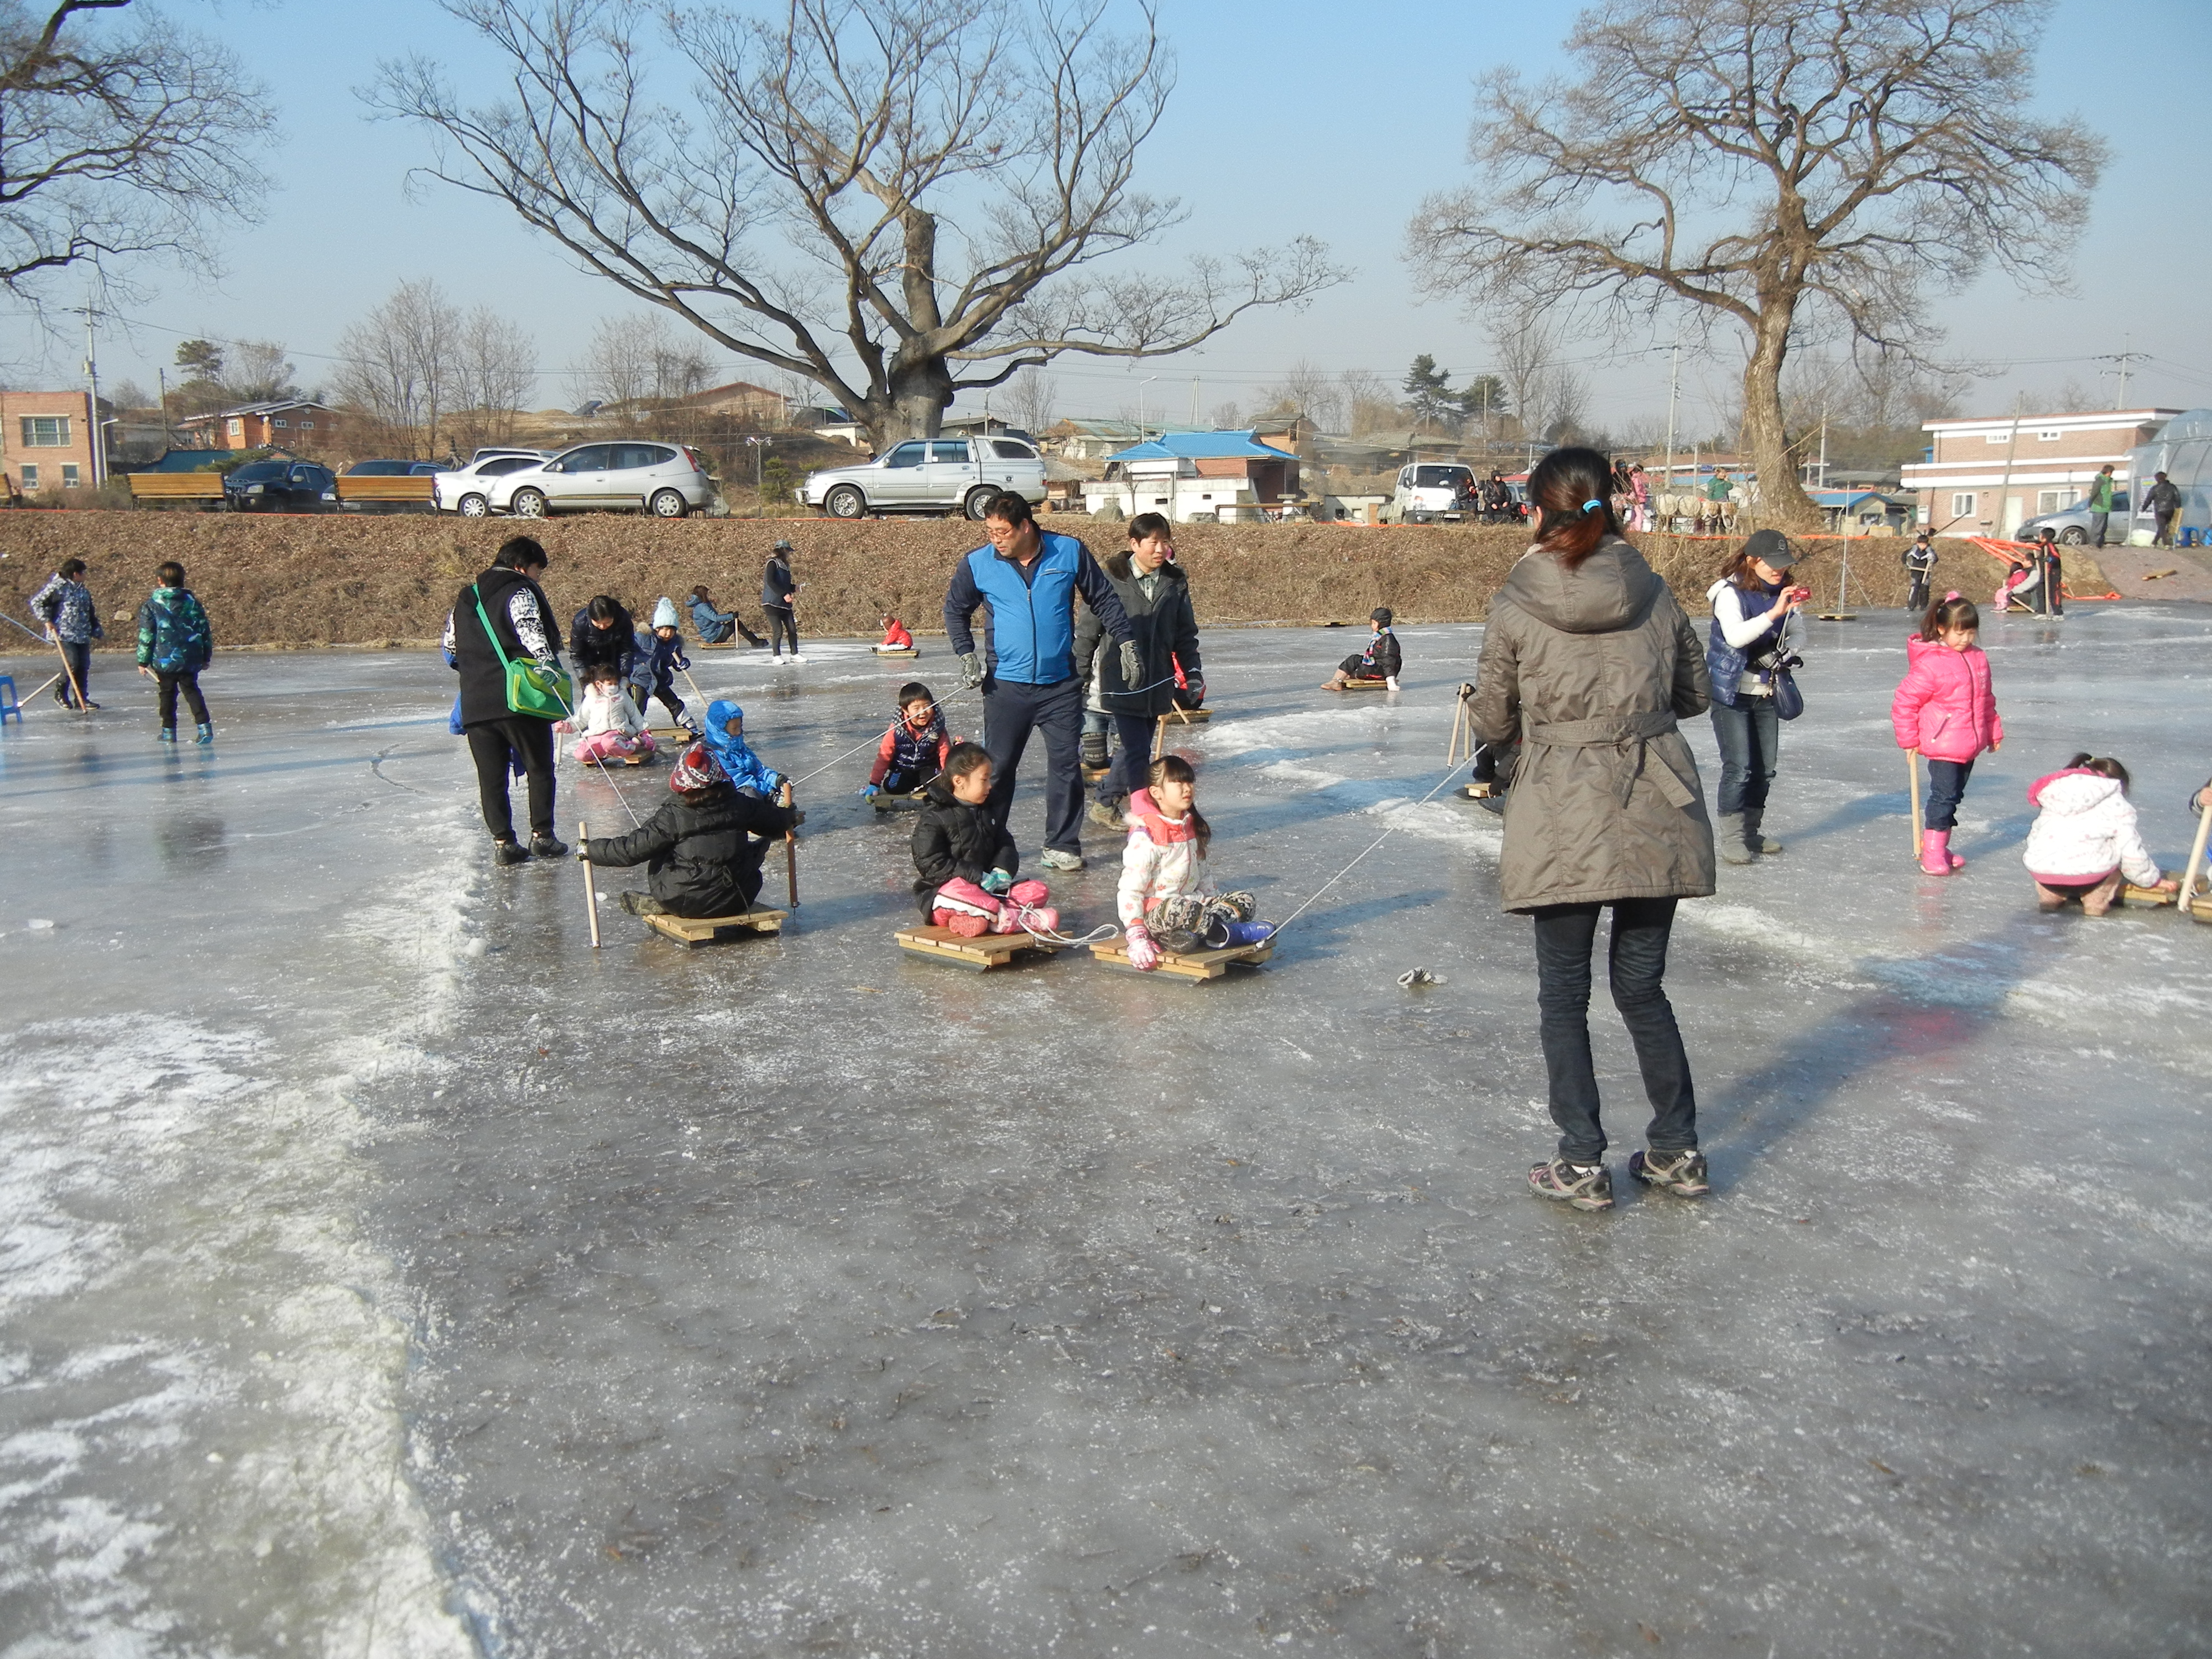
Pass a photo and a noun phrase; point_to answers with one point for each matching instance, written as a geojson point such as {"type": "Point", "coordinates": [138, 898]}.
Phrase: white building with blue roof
{"type": "Point", "coordinates": [1191, 477]}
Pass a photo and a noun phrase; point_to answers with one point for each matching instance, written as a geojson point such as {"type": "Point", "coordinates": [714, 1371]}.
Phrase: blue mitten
{"type": "Point", "coordinates": [996, 882]}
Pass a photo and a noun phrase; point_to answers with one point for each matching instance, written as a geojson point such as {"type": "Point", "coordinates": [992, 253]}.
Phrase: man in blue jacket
{"type": "Point", "coordinates": [1029, 578]}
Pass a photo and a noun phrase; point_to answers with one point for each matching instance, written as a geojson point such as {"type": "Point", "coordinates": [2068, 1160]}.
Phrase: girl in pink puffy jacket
{"type": "Point", "coordinates": [1946, 710]}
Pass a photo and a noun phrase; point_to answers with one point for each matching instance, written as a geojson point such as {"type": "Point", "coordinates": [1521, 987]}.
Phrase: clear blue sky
{"type": "Point", "coordinates": [1300, 117]}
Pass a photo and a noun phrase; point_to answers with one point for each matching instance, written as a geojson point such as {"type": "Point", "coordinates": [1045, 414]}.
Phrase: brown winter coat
{"type": "Point", "coordinates": [1589, 669]}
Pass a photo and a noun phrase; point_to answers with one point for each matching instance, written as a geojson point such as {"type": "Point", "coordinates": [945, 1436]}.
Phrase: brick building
{"type": "Point", "coordinates": [1984, 474]}
{"type": "Point", "coordinates": [45, 441]}
{"type": "Point", "coordinates": [293, 423]}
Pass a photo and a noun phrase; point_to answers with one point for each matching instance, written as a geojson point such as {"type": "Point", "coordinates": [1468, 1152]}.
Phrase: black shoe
{"type": "Point", "coordinates": [506, 852]}
{"type": "Point", "coordinates": [546, 847]}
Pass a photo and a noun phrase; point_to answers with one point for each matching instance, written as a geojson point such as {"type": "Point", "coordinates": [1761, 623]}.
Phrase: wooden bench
{"type": "Point", "coordinates": [717, 929]}
{"type": "Point", "coordinates": [384, 490]}
{"type": "Point", "coordinates": [1196, 966]}
{"type": "Point", "coordinates": [977, 954]}
{"type": "Point", "coordinates": [175, 486]}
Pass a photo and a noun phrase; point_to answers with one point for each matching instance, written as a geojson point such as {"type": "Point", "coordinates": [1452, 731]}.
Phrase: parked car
{"type": "Point", "coordinates": [1429, 490]}
{"type": "Point", "coordinates": [666, 480]}
{"type": "Point", "coordinates": [280, 486]}
{"type": "Point", "coordinates": [930, 475]}
{"type": "Point", "coordinates": [390, 469]}
{"type": "Point", "coordinates": [467, 490]}
{"type": "Point", "coordinates": [2072, 523]}
{"type": "Point", "coordinates": [491, 451]}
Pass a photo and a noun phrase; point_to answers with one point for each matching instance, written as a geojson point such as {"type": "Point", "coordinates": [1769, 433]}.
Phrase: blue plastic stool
{"type": "Point", "coordinates": [2189, 539]}
{"type": "Point", "coordinates": [8, 703]}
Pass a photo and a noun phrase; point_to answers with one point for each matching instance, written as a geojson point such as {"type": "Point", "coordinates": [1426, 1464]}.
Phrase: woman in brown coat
{"type": "Point", "coordinates": [1588, 663]}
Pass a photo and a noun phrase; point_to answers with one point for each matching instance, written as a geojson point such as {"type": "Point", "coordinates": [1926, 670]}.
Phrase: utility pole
{"type": "Point", "coordinates": [1673, 384]}
{"type": "Point", "coordinates": [1194, 402]}
{"type": "Point", "coordinates": [92, 387]}
{"type": "Point", "coordinates": [162, 376]}
{"type": "Point", "coordinates": [2122, 359]}
{"type": "Point", "coordinates": [2004, 490]}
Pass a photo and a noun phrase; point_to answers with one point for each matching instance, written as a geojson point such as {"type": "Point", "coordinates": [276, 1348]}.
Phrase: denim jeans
{"type": "Point", "coordinates": [1750, 736]}
{"type": "Point", "coordinates": [1946, 787]}
{"type": "Point", "coordinates": [1636, 966]}
{"type": "Point", "coordinates": [77, 653]}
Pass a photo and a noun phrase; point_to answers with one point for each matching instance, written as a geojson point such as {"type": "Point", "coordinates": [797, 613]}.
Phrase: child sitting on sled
{"type": "Point", "coordinates": [895, 638]}
{"type": "Point", "coordinates": [605, 724]}
{"type": "Point", "coordinates": [1166, 899]}
{"type": "Point", "coordinates": [702, 850]}
{"type": "Point", "coordinates": [1380, 661]}
{"type": "Point", "coordinates": [914, 747]}
{"type": "Point", "coordinates": [965, 862]}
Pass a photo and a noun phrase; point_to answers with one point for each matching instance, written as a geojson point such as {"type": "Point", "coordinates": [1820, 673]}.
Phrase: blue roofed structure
{"type": "Point", "coordinates": [1197, 475]}
{"type": "Point", "coordinates": [1201, 446]}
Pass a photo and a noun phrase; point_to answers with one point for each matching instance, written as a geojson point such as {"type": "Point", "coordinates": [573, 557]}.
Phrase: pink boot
{"type": "Point", "coordinates": [1026, 917]}
{"type": "Point", "coordinates": [968, 910]}
{"type": "Point", "coordinates": [1935, 853]}
{"type": "Point", "coordinates": [1028, 892]}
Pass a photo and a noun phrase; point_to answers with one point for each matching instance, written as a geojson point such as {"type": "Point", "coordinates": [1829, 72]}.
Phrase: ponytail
{"type": "Point", "coordinates": [1573, 487]}
{"type": "Point", "coordinates": [1947, 614]}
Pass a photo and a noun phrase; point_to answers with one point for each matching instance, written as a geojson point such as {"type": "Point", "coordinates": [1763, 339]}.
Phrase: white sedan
{"type": "Point", "coordinates": [467, 490]}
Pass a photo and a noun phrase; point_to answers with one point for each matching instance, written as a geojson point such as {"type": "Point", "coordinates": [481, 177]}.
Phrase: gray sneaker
{"type": "Point", "coordinates": [1590, 1188]}
{"type": "Point", "coordinates": [1053, 859]}
{"type": "Point", "coordinates": [1681, 1173]}
{"type": "Point", "coordinates": [1105, 815]}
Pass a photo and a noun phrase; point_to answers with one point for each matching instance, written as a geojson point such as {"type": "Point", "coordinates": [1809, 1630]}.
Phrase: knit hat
{"type": "Point", "coordinates": [1380, 613]}
{"type": "Point", "coordinates": [664, 614]}
{"type": "Point", "coordinates": [695, 769]}
{"type": "Point", "coordinates": [782, 545]}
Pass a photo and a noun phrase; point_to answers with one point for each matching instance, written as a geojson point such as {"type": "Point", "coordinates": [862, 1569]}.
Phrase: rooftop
{"type": "Point", "coordinates": [1203, 445]}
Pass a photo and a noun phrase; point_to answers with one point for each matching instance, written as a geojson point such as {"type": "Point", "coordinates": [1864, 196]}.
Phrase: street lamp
{"type": "Point", "coordinates": [1141, 385]}
{"type": "Point", "coordinates": [100, 452]}
{"type": "Point", "coordinates": [759, 447]}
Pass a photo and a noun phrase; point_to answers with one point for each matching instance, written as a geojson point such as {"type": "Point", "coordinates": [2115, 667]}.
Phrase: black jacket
{"type": "Point", "coordinates": [2163, 496]}
{"type": "Point", "coordinates": [776, 586]}
{"type": "Point", "coordinates": [1382, 657]}
{"type": "Point", "coordinates": [698, 850]}
{"type": "Point", "coordinates": [484, 682]}
{"type": "Point", "coordinates": [614, 647]}
{"type": "Point", "coordinates": [1166, 628]}
{"type": "Point", "coordinates": [953, 840]}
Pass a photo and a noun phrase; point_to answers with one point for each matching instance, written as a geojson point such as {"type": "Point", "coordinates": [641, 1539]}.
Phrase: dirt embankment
{"type": "Point", "coordinates": [286, 582]}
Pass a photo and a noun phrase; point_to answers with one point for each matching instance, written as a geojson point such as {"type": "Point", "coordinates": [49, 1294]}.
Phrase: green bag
{"type": "Point", "coordinates": [546, 694]}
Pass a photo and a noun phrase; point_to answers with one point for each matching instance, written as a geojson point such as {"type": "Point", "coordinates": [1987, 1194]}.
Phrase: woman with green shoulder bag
{"type": "Point", "coordinates": [502, 641]}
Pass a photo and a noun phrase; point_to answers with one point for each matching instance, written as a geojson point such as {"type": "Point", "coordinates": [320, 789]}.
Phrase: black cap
{"type": "Point", "coordinates": [1380, 613]}
{"type": "Point", "coordinates": [1770, 545]}
{"type": "Point", "coordinates": [781, 546]}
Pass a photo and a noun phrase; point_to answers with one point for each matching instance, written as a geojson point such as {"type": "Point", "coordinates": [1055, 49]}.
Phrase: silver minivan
{"type": "Point", "coordinates": [666, 480]}
{"type": "Point", "coordinates": [930, 475]}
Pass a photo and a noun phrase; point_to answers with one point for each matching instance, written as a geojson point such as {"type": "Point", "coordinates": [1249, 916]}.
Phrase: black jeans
{"type": "Point", "coordinates": [1012, 710]}
{"type": "Point", "coordinates": [1750, 736]}
{"type": "Point", "coordinates": [1946, 787]}
{"type": "Point", "coordinates": [77, 653]}
{"type": "Point", "coordinates": [1636, 965]}
{"type": "Point", "coordinates": [489, 744]}
{"type": "Point", "coordinates": [1132, 762]}
{"type": "Point", "coordinates": [189, 683]}
{"type": "Point", "coordinates": [782, 621]}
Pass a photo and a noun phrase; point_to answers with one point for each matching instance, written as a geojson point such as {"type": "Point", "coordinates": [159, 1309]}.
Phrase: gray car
{"type": "Point", "coordinates": [2072, 523]}
{"type": "Point", "coordinates": [930, 475]}
{"type": "Point", "coordinates": [666, 480]}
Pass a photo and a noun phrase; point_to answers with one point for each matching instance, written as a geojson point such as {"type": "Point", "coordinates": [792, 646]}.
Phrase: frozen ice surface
{"type": "Point", "coordinates": [795, 1297]}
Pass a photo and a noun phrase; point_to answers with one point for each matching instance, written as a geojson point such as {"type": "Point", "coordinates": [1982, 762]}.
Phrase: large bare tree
{"type": "Point", "coordinates": [120, 136]}
{"type": "Point", "coordinates": [898, 200]}
{"type": "Point", "coordinates": [1796, 168]}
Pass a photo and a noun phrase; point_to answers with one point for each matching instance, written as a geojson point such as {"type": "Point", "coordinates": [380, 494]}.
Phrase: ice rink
{"type": "Point", "coordinates": [383, 1273]}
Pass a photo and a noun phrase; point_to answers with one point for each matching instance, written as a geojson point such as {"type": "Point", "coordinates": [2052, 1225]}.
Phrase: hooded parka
{"type": "Point", "coordinates": [1589, 670]}
{"type": "Point", "coordinates": [699, 850]}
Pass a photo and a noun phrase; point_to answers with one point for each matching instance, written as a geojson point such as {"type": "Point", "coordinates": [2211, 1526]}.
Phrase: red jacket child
{"type": "Point", "coordinates": [1945, 708]}
{"type": "Point", "coordinates": [895, 638]}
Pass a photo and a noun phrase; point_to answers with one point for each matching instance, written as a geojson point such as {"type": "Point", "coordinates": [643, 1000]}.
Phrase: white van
{"type": "Point", "coordinates": [1431, 490]}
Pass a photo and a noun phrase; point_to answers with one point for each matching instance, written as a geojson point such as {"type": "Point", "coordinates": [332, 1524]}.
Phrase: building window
{"type": "Point", "coordinates": [30, 477]}
{"type": "Point", "coordinates": [238, 429]}
{"type": "Point", "coordinates": [1996, 437]}
{"type": "Point", "coordinates": [306, 426]}
{"type": "Point", "coordinates": [1962, 506]}
{"type": "Point", "coordinates": [2054, 501]}
{"type": "Point", "coordinates": [280, 421]}
{"type": "Point", "coordinates": [45, 431]}
{"type": "Point", "coordinates": [69, 475]}
{"type": "Point", "coordinates": [2049, 435]}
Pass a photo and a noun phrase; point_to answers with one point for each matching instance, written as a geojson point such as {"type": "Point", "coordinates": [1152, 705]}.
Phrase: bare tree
{"type": "Point", "coordinates": [495, 370]}
{"type": "Point", "coordinates": [947, 173]}
{"type": "Point", "coordinates": [1030, 400]}
{"type": "Point", "coordinates": [1307, 394]}
{"type": "Point", "coordinates": [119, 137]}
{"type": "Point", "coordinates": [1525, 348]}
{"type": "Point", "coordinates": [1229, 417]}
{"type": "Point", "coordinates": [398, 364]}
{"type": "Point", "coordinates": [1791, 167]}
{"type": "Point", "coordinates": [1367, 403]}
{"type": "Point", "coordinates": [635, 363]}
{"type": "Point", "coordinates": [257, 371]}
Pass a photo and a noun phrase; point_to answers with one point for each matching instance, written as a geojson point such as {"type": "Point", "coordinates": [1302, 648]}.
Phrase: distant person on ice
{"type": "Point", "coordinates": [1590, 663]}
{"type": "Point", "coordinates": [778, 590]}
{"type": "Point", "coordinates": [965, 861]}
{"type": "Point", "coordinates": [1381, 661]}
{"type": "Point", "coordinates": [72, 621]}
{"type": "Point", "coordinates": [522, 620]}
{"type": "Point", "coordinates": [702, 850]}
{"type": "Point", "coordinates": [1919, 562]}
{"type": "Point", "coordinates": [715, 627]}
{"type": "Point", "coordinates": [1166, 900]}
{"type": "Point", "coordinates": [659, 655]}
{"type": "Point", "coordinates": [896, 636]}
{"type": "Point", "coordinates": [1155, 595]}
{"type": "Point", "coordinates": [175, 642]}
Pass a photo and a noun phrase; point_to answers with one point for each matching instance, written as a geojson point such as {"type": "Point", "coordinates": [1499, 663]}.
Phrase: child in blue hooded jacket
{"type": "Point", "coordinates": [725, 740]}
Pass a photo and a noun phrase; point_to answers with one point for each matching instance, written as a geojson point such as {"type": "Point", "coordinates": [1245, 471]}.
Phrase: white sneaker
{"type": "Point", "coordinates": [1053, 859]}
{"type": "Point", "coordinates": [795, 657]}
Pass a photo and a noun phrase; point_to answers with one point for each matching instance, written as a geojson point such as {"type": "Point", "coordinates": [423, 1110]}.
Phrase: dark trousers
{"type": "Point", "coordinates": [2165, 523]}
{"type": "Point", "coordinates": [1132, 762]}
{"type": "Point", "coordinates": [2054, 597]}
{"type": "Point", "coordinates": [1946, 787]}
{"type": "Point", "coordinates": [903, 781]}
{"type": "Point", "coordinates": [532, 740]}
{"type": "Point", "coordinates": [1636, 965]}
{"type": "Point", "coordinates": [1750, 736]}
{"type": "Point", "coordinates": [663, 688]}
{"type": "Point", "coordinates": [189, 683]}
{"type": "Point", "coordinates": [1916, 600]}
{"type": "Point", "coordinates": [77, 653]}
{"type": "Point", "coordinates": [1011, 712]}
{"type": "Point", "coordinates": [782, 621]}
{"type": "Point", "coordinates": [2100, 525]}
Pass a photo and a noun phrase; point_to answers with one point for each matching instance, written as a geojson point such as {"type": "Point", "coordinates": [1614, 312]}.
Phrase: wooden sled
{"type": "Point", "coordinates": [717, 929]}
{"type": "Point", "coordinates": [1356, 683]}
{"type": "Point", "coordinates": [2131, 893]}
{"type": "Point", "coordinates": [1478, 791]}
{"type": "Point", "coordinates": [2201, 909]}
{"type": "Point", "coordinates": [1836, 616]}
{"type": "Point", "coordinates": [1196, 966]}
{"type": "Point", "coordinates": [900, 651]}
{"type": "Point", "coordinates": [977, 954]}
{"type": "Point", "coordinates": [888, 802]}
{"type": "Point", "coordinates": [673, 734]}
{"type": "Point", "coordinates": [1188, 716]}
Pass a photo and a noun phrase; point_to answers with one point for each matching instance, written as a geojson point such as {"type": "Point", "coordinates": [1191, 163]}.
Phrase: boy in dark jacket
{"type": "Point", "coordinates": [1380, 661]}
{"type": "Point", "coordinates": [966, 862]}
{"type": "Point", "coordinates": [699, 850]}
{"type": "Point", "coordinates": [175, 642]}
{"type": "Point", "coordinates": [1155, 597]}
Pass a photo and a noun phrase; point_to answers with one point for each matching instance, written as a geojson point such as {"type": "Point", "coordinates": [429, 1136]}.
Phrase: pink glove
{"type": "Point", "coordinates": [1144, 955]}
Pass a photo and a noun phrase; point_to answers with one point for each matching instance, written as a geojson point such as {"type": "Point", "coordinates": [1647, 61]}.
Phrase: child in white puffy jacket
{"type": "Point", "coordinates": [1166, 900]}
{"type": "Point", "coordinates": [606, 723]}
{"type": "Point", "coordinates": [2085, 839]}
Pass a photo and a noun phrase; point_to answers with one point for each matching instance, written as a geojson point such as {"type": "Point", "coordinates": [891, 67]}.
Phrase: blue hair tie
{"type": "Point", "coordinates": [1587, 506]}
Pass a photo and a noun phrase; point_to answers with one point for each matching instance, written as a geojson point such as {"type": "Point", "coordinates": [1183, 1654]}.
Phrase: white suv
{"type": "Point", "coordinates": [666, 480]}
{"type": "Point", "coordinates": [930, 475]}
{"type": "Point", "coordinates": [1429, 490]}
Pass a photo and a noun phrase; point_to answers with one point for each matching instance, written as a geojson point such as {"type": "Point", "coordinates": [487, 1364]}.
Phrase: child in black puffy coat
{"type": "Point", "coordinates": [1380, 661]}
